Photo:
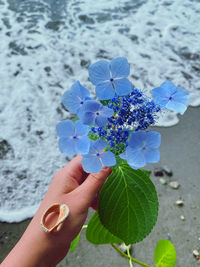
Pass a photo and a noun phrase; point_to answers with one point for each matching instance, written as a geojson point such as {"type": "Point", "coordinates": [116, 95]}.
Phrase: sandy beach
{"type": "Point", "coordinates": [179, 152]}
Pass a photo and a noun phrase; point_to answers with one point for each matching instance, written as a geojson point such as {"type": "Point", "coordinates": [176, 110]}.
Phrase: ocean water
{"type": "Point", "coordinates": [46, 45]}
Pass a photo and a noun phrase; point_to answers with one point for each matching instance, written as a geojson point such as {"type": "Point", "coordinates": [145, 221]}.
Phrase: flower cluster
{"type": "Point", "coordinates": [116, 125]}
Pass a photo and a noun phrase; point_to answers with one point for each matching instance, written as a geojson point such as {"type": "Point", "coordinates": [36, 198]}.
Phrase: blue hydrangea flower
{"type": "Point", "coordinates": [110, 78]}
{"type": "Point", "coordinates": [96, 159]}
{"type": "Point", "coordinates": [73, 137]}
{"type": "Point", "coordinates": [171, 97]}
{"type": "Point", "coordinates": [142, 149]}
{"type": "Point", "coordinates": [94, 112]}
{"type": "Point", "coordinates": [74, 98]}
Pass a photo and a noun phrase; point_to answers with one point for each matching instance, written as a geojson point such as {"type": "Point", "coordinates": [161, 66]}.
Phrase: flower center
{"type": "Point", "coordinates": [98, 154]}
{"type": "Point", "coordinates": [81, 102]}
{"type": "Point", "coordinates": [170, 98]}
{"type": "Point", "coordinates": [97, 113]}
{"type": "Point", "coordinates": [111, 79]}
{"type": "Point", "coordinates": [74, 137]}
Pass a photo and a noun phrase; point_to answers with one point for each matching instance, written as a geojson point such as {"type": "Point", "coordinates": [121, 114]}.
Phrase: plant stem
{"type": "Point", "coordinates": [129, 257]}
{"type": "Point", "coordinates": [128, 252]}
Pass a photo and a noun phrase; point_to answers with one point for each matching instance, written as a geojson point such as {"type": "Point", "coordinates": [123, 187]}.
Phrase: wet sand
{"type": "Point", "coordinates": [180, 152]}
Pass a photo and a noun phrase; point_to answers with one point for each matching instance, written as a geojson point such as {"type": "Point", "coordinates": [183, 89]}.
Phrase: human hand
{"type": "Point", "coordinates": [79, 190]}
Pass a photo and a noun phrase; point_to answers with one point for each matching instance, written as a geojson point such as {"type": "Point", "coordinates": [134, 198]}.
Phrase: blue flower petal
{"type": "Point", "coordinates": [99, 72]}
{"type": "Point", "coordinates": [105, 91]}
{"type": "Point", "coordinates": [181, 96]}
{"type": "Point", "coordinates": [100, 145]}
{"type": "Point", "coordinates": [101, 121]}
{"type": "Point", "coordinates": [122, 87]}
{"type": "Point", "coordinates": [79, 90]}
{"type": "Point", "coordinates": [136, 139]}
{"type": "Point", "coordinates": [159, 99]}
{"type": "Point", "coordinates": [135, 158]}
{"type": "Point", "coordinates": [73, 98]}
{"type": "Point", "coordinates": [88, 118]}
{"type": "Point", "coordinates": [71, 101]}
{"type": "Point", "coordinates": [107, 112]}
{"type": "Point", "coordinates": [65, 128]}
{"type": "Point", "coordinates": [168, 88]}
{"type": "Point", "coordinates": [91, 106]}
{"type": "Point", "coordinates": [153, 139]}
{"type": "Point", "coordinates": [67, 146]}
{"type": "Point", "coordinates": [80, 128]}
{"type": "Point", "coordinates": [108, 158]}
{"type": "Point", "coordinates": [123, 156]}
{"type": "Point", "coordinates": [91, 163]}
{"type": "Point", "coordinates": [176, 106]}
{"type": "Point", "coordinates": [152, 155]}
{"type": "Point", "coordinates": [82, 145]}
{"type": "Point", "coordinates": [119, 67]}
{"type": "Point", "coordinates": [171, 97]}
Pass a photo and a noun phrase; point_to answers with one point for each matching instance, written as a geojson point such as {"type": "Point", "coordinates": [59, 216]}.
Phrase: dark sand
{"type": "Point", "coordinates": [180, 151]}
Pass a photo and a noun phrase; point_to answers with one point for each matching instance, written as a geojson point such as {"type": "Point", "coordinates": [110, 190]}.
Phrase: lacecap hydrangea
{"type": "Point", "coordinates": [115, 125]}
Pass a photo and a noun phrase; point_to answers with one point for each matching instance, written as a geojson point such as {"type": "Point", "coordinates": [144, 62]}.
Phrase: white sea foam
{"type": "Point", "coordinates": [47, 45]}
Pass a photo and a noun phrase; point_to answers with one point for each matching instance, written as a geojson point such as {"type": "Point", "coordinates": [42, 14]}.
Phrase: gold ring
{"type": "Point", "coordinates": [63, 211]}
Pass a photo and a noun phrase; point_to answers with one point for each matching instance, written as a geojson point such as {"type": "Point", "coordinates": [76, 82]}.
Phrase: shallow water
{"type": "Point", "coordinates": [47, 45]}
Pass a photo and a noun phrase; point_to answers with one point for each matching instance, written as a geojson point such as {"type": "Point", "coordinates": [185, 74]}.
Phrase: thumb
{"type": "Point", "coordinates": [88, 190]}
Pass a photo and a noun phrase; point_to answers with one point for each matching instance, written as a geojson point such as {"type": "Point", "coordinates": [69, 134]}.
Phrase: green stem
{"type": "Point", "coordinates": [129, 257]}
{"type": "Point", "coordinates": [128, 252]}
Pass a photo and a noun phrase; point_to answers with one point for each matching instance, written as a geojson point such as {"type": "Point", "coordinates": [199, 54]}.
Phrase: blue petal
{"type": "Point", "coordinates": [136, 139]}
{"type": "Point", "coordinates": [158, 98]}
{"type": "Point", "coordinates": [162, 94]}
{"type": "Point", "coordinates": [108, 158]}
{"type": "Point", "coordinates": [88, 118]}
{"type": "Point", "coordinates": [99, 72]}
{"type": "Point", "coordinates": [78, 90]}
{"type": "Point", "coordinates": [135, 158]}
{"type": "Point", "coordinates": [65, 128]}
{"type": "Point", "coordinates": [122, 87]}
{"type": "Point", "coordinates": [101, 121]}
{"type": "Point", "coordinates": [80, 128]}
{"type": "Point", "coordinates": [152, 155]}
{"type": "Point", "coordinates": [106, 112]}
{"type": "Point", "coordinates": [91, 106]}
{"type": "Point", "coordinates": [105, 91]}
{"type": "Point", "coordinates": [67, 146]}
{"type": "Point", "coordinates": [181, 96]}
{"type": "Point", "coordinates": [82, 145]}
{"type": "Point", "coordinates": [123, 155]}
{"type": "Point", "coordinates": [153, 139]}
{"type": "Point", "coordinates": [168, 88]}
{"type": "Point", "coordinates": [176, 106]}
{"type": "Point", "coordinates": [71, 101]}
{"type": "Point", "coordinates": [119, 67]}
{"type": "Point", "coordinates": [92, 149]}
{"type": "Point", "coordinates": [100, 145]}
{"type": "Point", "coordinates": [91, 163]}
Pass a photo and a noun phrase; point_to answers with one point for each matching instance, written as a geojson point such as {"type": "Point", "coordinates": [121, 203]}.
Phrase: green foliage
{"type": "Point", "coordinates": [128, 204]}
{"type": "Point", "coordinates": [74, 243]}
{"type": "Point", "coordinates": [97, 234]}
{"type": "Point", "coordinates": [165, 254]}
{"type": "Point", "coordinates": [93, 136]}
{"type": "Point", "coordinates": [75, 119]}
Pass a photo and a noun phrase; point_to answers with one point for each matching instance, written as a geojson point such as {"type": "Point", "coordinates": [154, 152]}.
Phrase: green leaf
{"type": "Point", "coordinates": [165, 254]}
{"type": "Point", "coordinates": [128, 204]}
{"type": "Point", "coordinates": [74, 243]}
{"type": "Point", "coordinates": [75, 119]}
{"type": "Point", "coordinates": [97, 234]}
